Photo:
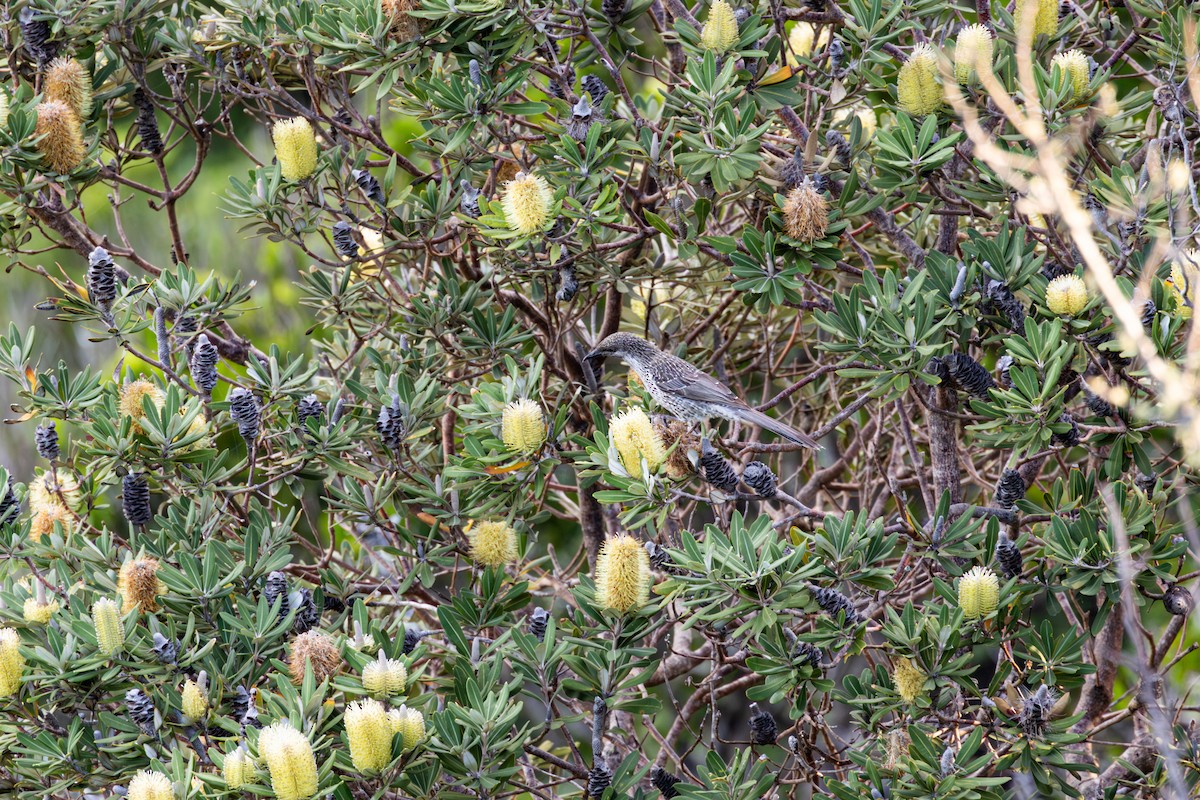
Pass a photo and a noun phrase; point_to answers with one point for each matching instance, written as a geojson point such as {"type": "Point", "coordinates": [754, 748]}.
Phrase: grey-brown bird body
{"type": "Point", "coordinates": [686, 392]}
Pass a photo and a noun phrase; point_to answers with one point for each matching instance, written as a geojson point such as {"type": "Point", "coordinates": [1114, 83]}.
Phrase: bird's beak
{"type": "Point", "coordinates": [594, 355]}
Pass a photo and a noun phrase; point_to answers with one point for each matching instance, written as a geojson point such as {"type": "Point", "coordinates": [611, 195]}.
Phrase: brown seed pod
{"type": "Point", "coordinates": [318, 649]}
{"type": "Point", "coordinates": [805, 213]}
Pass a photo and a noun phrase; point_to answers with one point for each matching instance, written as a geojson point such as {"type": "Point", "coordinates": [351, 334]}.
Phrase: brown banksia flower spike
{"type": "Point", "coordinates": [135, 498]}
{"type": "Point", "coordinates": [68, 82]}
{"type": "Point", "coordinates": [139, 585]}
{"type": "Point", "coordinates": [101, 279]}
{"type": "Point", "coordinates": [1008, 556]}
{"type": "Point", "coordinates": [404, 26]}
{"type": "Point", "coordinates": [61, 136]}
{"type": "Point", "coordinates": [763, 728]}
{"type": "Point", "coordinates": [45, 438]}
{"type": "Point", "coordinates": [1009, 489]}
{"type": "Point", "coordinates": [315, 648]}
{"type": "Point", "coordinates": [716, 470]}
{"type": "Point", "coordinates": [204, 365]}
{"type": "Point", "coordinates": [805, 213]}
{"type": "Point", "coordinates": [759, 477]}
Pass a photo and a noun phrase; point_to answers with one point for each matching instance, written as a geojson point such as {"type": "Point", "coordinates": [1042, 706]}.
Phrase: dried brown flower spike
{"type": "Point", "coordinates": [318, 649]}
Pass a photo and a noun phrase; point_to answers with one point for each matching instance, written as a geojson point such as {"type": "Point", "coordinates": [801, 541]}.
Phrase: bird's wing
{"type": "Point", "coordinates": [681, 378]}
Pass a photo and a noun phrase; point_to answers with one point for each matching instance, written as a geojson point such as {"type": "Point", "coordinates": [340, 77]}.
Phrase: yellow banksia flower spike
{"type": "Point", "coordinates": [3, 110]}
{"type": "Point", "coordinates": [803, 40]}
{"type": "Point", "coordinates": [492, 544]}
{"type": "Point", "coordinates": [909, 680]}
{"type": "Point", "coordinates": [61, 142]}
{"type": "Point", "coordinates": [12, 663]}
{"type": "Point", "coordinates": [39, 612]}
{"type": "Point", "coordinates": [805, 213]}
{"type": "Point", "coordinates": [290, 760]}
{"type": "Point", "coordinates": [295, 148]}
{"type": "Point", "coordinates": [1185, 281]}
{"type": "Point", "coordinates": [978, 593]}
{"type": "Point", "coordinates": [622, 574]}
{"type": "Point", "coordinates": [68, 82]}
{"type": "Point", "coordinates": [527, 202]}
{"type": "Point", "coordinates": [720, 31]}
{"type": "Point", "coordinates": [56, 487]}
{"type": "Point", "coordinates": [973, 51]}
{"type": "Point", "coordinates": [385, 677]}
{"type": "Point", "coordinates": [523, 428]}
{"type": "Point", "coordinates": [410, 724]}
{"type": "Point", "coordinates": [238, 769]}
{"type": "Point", "coordinates": [1074, 66]}
{"type": "Point", "coordinates": [139, 586]}
{"type": "Point", "coordinates": [1067, 295]}
{"type": "Point", "coordinates": [132, 395]}
{"type": "Point", "coordinates": [315, 648]}
{"type": "Point", "coordinates": [1044, 13]}
{"type": "Point", "coordinates": [917, 86]}
{"type": "Point", "coordinates": [369, 733]}
{"type": "Point", "coordinates": [195, 698]}
{"type": "Point", "coordinates": [110, 630]}
{"type": "Point", "coordinates": [634, 438]}
{"type": "Point", "coordinates": [150, 785]}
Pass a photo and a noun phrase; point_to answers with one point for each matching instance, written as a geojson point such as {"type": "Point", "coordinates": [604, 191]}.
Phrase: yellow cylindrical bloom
{"type": "Point", "coordinates": [410, 724]}
{"type": "Point", "coordinates": [61, 142]}
{"type": "Point", "coordinates": [622, 574]}
{"type": "Point", "coordinates": [110, 630]}
{"type": "Point", "coordinates": [3, 109]}
{"type": "Point", "coordinates": [1074, 66]}
{"type": "Point", "coordinates": [1044, 13]}
{"type": "Point", "coordinates": [978, 593]}
{"type": "Point", "coordinates": [634, 438]}
{"type": "Point", "coordinates": [1185, 282]}
{"type": "Point", "coordinates": [805, 213]}
{"type": "Point", "coordinates": [139, 585]}
{"type": "Point", "coordinates": [803, 39]}
{"type": "Point", "coordinates": [39, 613]}
{"type": "Point", "coordinates": [385, 677]}
{"type": "Point", "coordinates": [493, 544]}
{"type": "Point", "coordinates": [1066, 294]}
{"type": "Point", "coordinates": [12, 663]}
{"type": "Point", "coordinates": [909, 680]}
{"type": "Point", "coordinates": [523, 428]}
{"type": "Point", "coordinates": [295, 148]}
{"type": "Point", "coordinates": [290, 760]}
{"type": "Point", "coordinates": [972, 52]}
{"type": "Point", "coordinates": [194, 700]}
{"type": "Point", "coordinates": [69, 83]}
{"type": "Point", "coordinates": [238, 769]}
{"type": "Point", "coordinates": [527, 202]}
{"type": "Point", "coordinates": [150, 785]}
{"type": "Point", "coordinates": [917, 87]}
{"type": "Point", "coordinates": [132, 395]}
{"type": "Point", "coordinates": [720, 31]}
{"type": "Point", "coordinates": [55, 488]}
{"type": "Point", "coordinates": [369, 733]}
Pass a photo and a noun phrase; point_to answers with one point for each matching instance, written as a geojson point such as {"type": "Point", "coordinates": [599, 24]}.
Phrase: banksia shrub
{"type": "Point", "coordinates": [805, 213]}
{"type": "Point", "coordinates": [492, 544]}
{"type": "Point", "coordinates": [295, 148]}
{"type": "Point", "coordinates": [315, 649]}
{"type": "Point", "coordinates": [972, 52]}
{"type": "Point", "coordinates": [68, 82]}
{"type": "Point", "coordinates": [110, 630]}
{"type": "Point", "coordinates": [139, 585]}
{"type": "Point", "coordinates": [290, 760]}
{"type": "Point", "coordinates": [909, 680]}
{"type": "Point", "coordinates": [527, 201]}
{"type": "Point", "coordinates": [369, 734]}
{"type": "Point", "coordinates": [150, 785]}
{"type": "Point", "coordinates": [622, 574]}
{"type": "Point", "coordinates": [12, 663]}
{"type": "Point", "coordinates": [635, 439]}
{"type": "Point", "coordinates": [720, 31]}
{"type": "Point", "coordinates": [978, 593]}
{"type": "Point", "coordinates": [61, 142]}
{"type": "Point", "coordinates": [917, 87]}
{"type": "Point", "coordinates": [523, 428]}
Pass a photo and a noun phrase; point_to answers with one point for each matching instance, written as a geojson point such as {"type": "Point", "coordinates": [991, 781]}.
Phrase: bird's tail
{"type": "Point", "coordinates": [778, 428]}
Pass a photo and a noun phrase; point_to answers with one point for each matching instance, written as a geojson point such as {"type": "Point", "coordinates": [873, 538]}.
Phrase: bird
{"type": "Point", "coordinates": [686, 392]}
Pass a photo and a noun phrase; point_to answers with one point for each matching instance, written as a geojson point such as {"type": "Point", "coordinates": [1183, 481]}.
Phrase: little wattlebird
{"type": "Point", "coordinates": [686, 392]}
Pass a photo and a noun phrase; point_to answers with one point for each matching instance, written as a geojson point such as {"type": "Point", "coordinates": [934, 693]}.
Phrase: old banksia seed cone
{"type": "Point", "coordinates": [1177, 600]}
{"type": "Point", "coordinates": [204, 364]}
{"type": "Point", "coordinates": [978, 593]}
{"type": "Point", "coordinates": [763, 728]}
{"type": "Point", "coordinates": [527, 202]}
{"type": "Point", "coordinates": [140, 709]}
{"type": "Point", "coordinates": [1009, 489]}
{"type": "Point", "coordinates": [384, 677]}
{"type": "Point", "coordinates": [716, 470]}
{"type": "Point", "coordinates": [135, 498]}
{"type": "Point", "coordinates": [909, 680]}
{"type": "Point", "coordinates": [243, 409]}
{"type": "Point", "coordinates": [369, 733]}
{"type": "Point", "coordinates": [664, 781]}
{"type": "Point", "coordinates": [45, 438]}
{"type": "Point", "coordinates": [759, 477]}
{"type": "Point", "coordinates": [805, 213]}
{"type": "Point", "coordinates": [622, 574]}
{"type": "Point", "coordinates": [110, 631]}
{"type": "Point", "coordinates": [492, 544]}
{"type": "Point", "coordinates": [61, 142]}
{"type": "Point", "coordinates": [1066, 295]}
{"type": "Point", "coordinates": [139, 585]}
{"type": "Point", "coordinates": [147, 123]}
{"type": "Point", "coordinates": [318, 650]}
{"type": "Point", "coordinates": [238, 769]}
{"type": "Point", "coordinates": [1044, 14]}
{"type": "Point", "coordinates": [917, 86]}
{"type": "Point", "coordinates": [295, 148]}
{"type": "Point", "coordinates": [1074, 66]}
{"type": "Point", "coordinates": [150, 785]}
{"type": "Point", "coordinates": [101, 278]}
{"type": "Point", "coordinates": [410, 724]}
{"type": "Point", "coordinates": [720, 31]}
{"type": "Point", "coordinates": [972, 52]}
{"type": "Point", "coordinates": [523, 428]}
{"type": "Point", "coordinates": [635, 439]}
{"type": "Point", "coordinates": [1008, 556]}
{"type": "Point", "coordinates": [68, 82]}
{"type": "Point", "coordinates": [12, 663]}
{"type": "Point", "coordinates": [290, 760]}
